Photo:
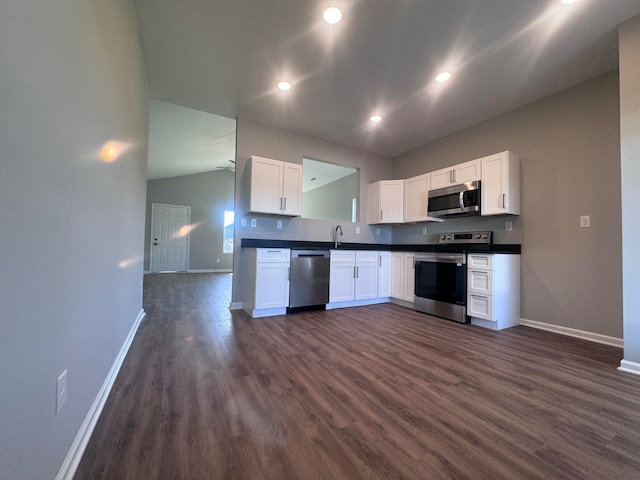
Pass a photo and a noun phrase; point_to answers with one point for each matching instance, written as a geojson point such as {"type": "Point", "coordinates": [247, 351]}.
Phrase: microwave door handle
{"type": "Point", "coordinates": [461, 200]}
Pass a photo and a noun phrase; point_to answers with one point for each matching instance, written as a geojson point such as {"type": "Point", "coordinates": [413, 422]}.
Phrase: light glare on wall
{"type": "Point", "coordinates": [332, 15]}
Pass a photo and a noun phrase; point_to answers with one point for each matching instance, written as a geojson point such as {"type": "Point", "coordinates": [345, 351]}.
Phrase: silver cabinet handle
{"type": "Point", "coordinates": [380, 214]}
{"type": "Point", "coordinates": [357, 272]}
{"type": "Point", "coordinates": [285, 204]}
{"type": "Point", "coordinates": [455, 176]}
{"type": "Point", "coordinates": [504, 195]}
{"type": "Point", "coordinates": [354, 272]}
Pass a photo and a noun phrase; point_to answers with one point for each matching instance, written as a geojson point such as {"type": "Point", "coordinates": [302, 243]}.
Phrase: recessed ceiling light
{"type": "Point", "coordinates": [567, 2]}
{"type": "Point", "coordinates": [443, 76]}
{"type": "Point", "coordinates": [284, 86]}
{"type": "Point", "coordinates": [375, 118]}
{"type": "Point", "coordinates": [332, 15]}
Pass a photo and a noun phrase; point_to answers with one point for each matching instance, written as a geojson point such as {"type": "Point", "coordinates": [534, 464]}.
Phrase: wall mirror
{"type": "Point", "coordinates": [329, 191]}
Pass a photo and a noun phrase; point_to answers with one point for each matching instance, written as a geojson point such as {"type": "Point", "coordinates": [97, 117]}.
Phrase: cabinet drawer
{"type": "Point", "coordinates": [272, 255]}
{"type": "Point", "coordinates": [480, 306]}
{"type": "Point", "coordinates": [480, 281]}
{"type": "Point", "coordinates": [367, 257]}
{"type": "Point", "coordinates": [341, 256]}
{"type": "Point", "coordinates": [484, 262]}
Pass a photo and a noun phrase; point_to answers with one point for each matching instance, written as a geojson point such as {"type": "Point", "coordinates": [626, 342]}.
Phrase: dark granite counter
{"type": "Point", "coordinates": [471, 248]}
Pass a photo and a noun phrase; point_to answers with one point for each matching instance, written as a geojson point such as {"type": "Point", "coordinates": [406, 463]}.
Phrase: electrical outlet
{"type": "Point", "coordinates": [424, 230]}
{"type": "Point", "coordinates": [254, 222]}
{"type": "Point", "coordinates": [585, 221]}
{"type": "Point", "coordinates": [377, 231]}
{"type": "Point", "coordinates": [243, 222]}
{"type": "Point", "coordinates": [61, 391]}
{"type": "Point", "coordinates": [279, 224]}
{"type": "Point", "coordinates": [217, 260]}
{"type": "Point", "coordinates": [357, 229]}
{"type": "Point", "coordinates": [508, 226]}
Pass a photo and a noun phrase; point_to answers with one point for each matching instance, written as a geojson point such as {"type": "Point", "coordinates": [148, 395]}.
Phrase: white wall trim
{"type": "Point", "coordinates": [71, 462]}
{"type": "Point", "coordinates": [572, 332]}
{"type": "Point", "coordinates": [629, 367]}
{"type": "Point", "coordinates": [236, 306]}
{"type": "Point", "coordinates": [210, 270]}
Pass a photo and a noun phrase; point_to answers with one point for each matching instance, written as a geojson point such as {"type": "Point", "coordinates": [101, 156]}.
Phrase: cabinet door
{"type": "Point", "coordinates": [391, 201]}
{"type": "Point", "coordinates": [416, 196]}
{"type": "Point", "coordinates": [501, 184]}
{"type": "Point", "coordinates": [366, 281]}
{"type": "Point", "coordinates": [272, 285]}
{"type": "Point", "coordinates": [384, 274]}
{"type": "Point", "coordinates": [341, 282]}
{"type": "Point", "coordinates": [292, 189]}
{"type": "Point", "coordinates": [441, 178]}
{"type": "Point", "coordinates": [265, 185]}
{"type": "Point", "coordinates": [409, 277]}
{"type": "Point", "coordinates": [467, 172]}
{"type": "Point", "coordinates": [397, 275]}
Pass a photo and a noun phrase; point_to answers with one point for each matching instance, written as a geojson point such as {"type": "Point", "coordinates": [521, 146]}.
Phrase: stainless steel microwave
{"type": "Point", "coordinates": [455, 201]}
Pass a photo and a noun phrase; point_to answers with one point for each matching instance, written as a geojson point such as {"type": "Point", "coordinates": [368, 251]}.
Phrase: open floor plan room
{"type": "Point", "coordinates": [375, 392]}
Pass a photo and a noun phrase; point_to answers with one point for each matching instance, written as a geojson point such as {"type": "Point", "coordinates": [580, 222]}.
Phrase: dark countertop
{"type": "Point", "coordinates": [469, 248]}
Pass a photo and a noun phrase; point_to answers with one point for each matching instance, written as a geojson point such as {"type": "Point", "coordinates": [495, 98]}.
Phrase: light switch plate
{"type": "Point", "coordinates": [508, 226]}
{"type": "Point", "coordinates": [357, 229]}
{"type": "Point", "coordinates": [279, 224]}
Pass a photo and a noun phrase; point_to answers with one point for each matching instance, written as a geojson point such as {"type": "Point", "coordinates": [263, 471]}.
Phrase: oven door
{"type": "Point", "coordinates": [441, 285]}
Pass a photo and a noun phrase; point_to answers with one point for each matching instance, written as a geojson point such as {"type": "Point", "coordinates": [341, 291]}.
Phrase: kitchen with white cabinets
{"type": "Point", "coordinates": [365, 274]}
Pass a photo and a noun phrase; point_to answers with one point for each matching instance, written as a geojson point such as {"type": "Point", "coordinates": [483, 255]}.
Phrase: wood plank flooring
{"type": "Point", "coordinates": [379, 392]}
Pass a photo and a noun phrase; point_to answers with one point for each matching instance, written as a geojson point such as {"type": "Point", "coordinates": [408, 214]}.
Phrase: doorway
{"type": "Point", "coordinates": [169, 237]}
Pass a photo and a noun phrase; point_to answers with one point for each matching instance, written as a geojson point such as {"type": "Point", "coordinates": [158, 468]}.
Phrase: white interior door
{"type": "Point", "coordinates": [169, 237]}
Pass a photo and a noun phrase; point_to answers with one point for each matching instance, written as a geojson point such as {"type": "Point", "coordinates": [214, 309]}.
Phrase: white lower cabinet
{"type": "Point", "coordinates": [353, 278]}
{"type": "Point", "coordinates": [493, 290]}
{"type": "Point", "coordinates": [266, 288]}
{"type": "Point", "coordinates": [402, 276]}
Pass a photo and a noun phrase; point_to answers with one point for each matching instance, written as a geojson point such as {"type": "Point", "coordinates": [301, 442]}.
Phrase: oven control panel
{"type": "Point", "coordinates": [484, 237]}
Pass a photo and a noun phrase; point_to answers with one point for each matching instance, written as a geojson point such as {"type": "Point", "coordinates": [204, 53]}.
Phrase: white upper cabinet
{"type": "Point", "coordinates": [385, 202]}
{"type": "Point", "coordinates": [274, 186]}
{"type": "Point", "coordinates": [416, 196]}
{"type": "Point", "coordinates": [455, 175]}
{"type": "Point", "coordinates": [500, 184]}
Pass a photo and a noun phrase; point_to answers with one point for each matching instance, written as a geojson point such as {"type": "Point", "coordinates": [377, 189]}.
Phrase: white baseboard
{"type": "Point", "coordinates": [71, 462]}
{"type": "Point", "coordinates": [236, 306]}
{"type": "Point", "coordinates": [629, 367]}
{"type": "Point", "coordinates": [572, 332]}
{"type": "Point", "coordinates": [209, 270]}
{"type": "Point", "coordinates": [200, 270]}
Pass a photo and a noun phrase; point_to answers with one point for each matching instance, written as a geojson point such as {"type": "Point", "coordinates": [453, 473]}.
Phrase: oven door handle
{"type": "Point", "coordinates": [441, 258]}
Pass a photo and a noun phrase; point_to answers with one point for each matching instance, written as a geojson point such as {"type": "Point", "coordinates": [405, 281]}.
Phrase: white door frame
{"type": "Point", "coordinates": [153, 208]}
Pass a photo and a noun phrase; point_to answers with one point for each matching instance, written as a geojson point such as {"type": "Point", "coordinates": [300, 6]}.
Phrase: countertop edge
{"type": "Point", "coordinates": [494, 248]}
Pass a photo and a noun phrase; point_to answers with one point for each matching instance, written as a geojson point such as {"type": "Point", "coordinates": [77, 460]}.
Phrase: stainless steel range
{"type": "Point", "coordinates": [441, 276]}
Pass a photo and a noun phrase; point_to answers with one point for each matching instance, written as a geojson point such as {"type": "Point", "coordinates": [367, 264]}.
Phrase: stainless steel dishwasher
{"type": "Point", "coordinates": [309, 285]}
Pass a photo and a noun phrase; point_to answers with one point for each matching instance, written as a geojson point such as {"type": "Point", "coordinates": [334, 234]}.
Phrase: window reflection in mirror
{"type": "Point", "coordinates": [329, 191]}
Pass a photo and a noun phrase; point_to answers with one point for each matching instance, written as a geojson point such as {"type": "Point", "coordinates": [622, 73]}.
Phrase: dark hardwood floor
{"type": "Point", "coordinates": [378, 392]}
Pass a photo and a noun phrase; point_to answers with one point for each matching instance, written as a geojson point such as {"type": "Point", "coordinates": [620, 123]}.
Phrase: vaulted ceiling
{"type": "Point", "coordinates": [227, 56]}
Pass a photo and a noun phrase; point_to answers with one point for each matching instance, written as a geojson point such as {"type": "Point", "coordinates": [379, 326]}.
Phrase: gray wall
{"type": "Point", "coordinates": [255, 138]}
{"type": "Point", "coordinates": [332, 201]}
{"type": "Point", "coordinates": [208, 194]}
{"type": "Point", "coordinates": [630, 175]}
{"type": "Point", "coordinates": [569, 147]}
{"type": "Point", "coordinates": [72, 78]}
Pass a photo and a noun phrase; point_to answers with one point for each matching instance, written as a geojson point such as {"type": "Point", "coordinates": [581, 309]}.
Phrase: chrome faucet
{"type": "Point", "coordinates": [336, 241]}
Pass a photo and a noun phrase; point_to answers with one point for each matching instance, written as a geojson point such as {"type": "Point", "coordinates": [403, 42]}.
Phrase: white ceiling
{"type": "Point", "coordinates": [226, 56]}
